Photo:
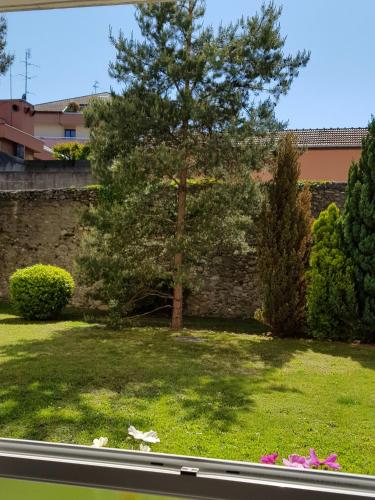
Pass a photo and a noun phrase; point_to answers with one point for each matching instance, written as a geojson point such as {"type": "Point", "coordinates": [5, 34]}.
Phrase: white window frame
{"type": "Point", "coordinates": [171, 475]}
{"type": "Point", "coordinates": [14, 5]}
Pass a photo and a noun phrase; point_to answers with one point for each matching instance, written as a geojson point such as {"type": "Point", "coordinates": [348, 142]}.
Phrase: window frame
{"type": "Point", "coordinates": [20, 5]}
{"type": "Point", "coordinates": [70, 136]}
{"type": "Point", "coordinates": [172, 475]}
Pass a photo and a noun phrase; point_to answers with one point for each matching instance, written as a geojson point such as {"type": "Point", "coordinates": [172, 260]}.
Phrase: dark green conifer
{"type": "Point", "coordinates": [5, 58]}
{"type": "Point", "coordinates": [283, 238]}
{"type": "Point", "coordinates": [359, 231]}
{"type": "Point", "coordinates": [194, 106]}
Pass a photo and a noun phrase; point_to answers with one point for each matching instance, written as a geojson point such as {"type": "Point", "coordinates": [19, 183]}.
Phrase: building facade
{"type": "Point", "coordinates": [62, 121]}
{"type": "Point", "coordinates": [328, 153]}
{"type": "Point", "coordinates": [30, 132]}
{"type": "Point", "coordinates": [17, 130]}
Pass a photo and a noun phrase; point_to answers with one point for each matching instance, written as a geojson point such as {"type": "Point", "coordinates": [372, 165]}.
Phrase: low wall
{"type": "Point", "coordinates": [230, 287]}
{"type": "Point", "coordinates": [44, 227]}
{"type": "Point", "coordinates": [41, 227]}
{"type": "Point", "coordinates": [40, 174]}
{"type": "Point", "coordinates": [325, 193]}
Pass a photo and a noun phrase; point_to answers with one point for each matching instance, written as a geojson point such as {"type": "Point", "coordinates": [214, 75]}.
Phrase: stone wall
{"type": "Point", "coordinates": [40, 227]}
{"type": "Point", "coordinates": [40, 174]}
{"type": "Point", "coordinates": [229, 284]}
{"type": "Point", "coordinates": [325, 193]}
{"type": "Point", "coordinates": [43, 227]}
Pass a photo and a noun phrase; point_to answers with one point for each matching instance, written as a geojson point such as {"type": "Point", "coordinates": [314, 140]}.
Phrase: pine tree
{"type": "Point", "coordinates": [194, 105]}
{"type": "Point", "coordinates": [5, 59]}
{"type": "Point", "coordinates": [359, 231]}
{"type": "Point", "coordinates": [283, 237]}
{"type": "Point", "coordinates": [331, 295]}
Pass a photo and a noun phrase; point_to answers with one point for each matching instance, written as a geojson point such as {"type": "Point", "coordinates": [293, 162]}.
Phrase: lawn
{"type": "Point", "coordinates": [223, 394]}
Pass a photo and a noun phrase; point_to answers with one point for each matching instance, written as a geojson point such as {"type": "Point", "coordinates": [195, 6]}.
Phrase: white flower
{"type": "Point", "coordinates": [145, 448]}
{"type": "Point", "coordinates": [147, 437]}
{"type": "Point", "coordinates": [100, 442]}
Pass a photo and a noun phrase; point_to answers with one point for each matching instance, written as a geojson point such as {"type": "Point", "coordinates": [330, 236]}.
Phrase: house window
{"type": "Point", "coordinates": [70, 132]}
{"type": "Point", "coordinates": [19, 151]}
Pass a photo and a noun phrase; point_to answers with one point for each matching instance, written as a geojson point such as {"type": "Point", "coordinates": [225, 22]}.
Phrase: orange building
{"type": "Point", "coordinates": [29, 132]}
{"type": "Point", "coordinates": [17, 130]}
{"type": "Point", "coordinates": [329, 152]}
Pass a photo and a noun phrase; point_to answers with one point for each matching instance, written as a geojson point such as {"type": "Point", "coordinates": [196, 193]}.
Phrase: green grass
{"type": "Point", "coordinates": [228, 395]}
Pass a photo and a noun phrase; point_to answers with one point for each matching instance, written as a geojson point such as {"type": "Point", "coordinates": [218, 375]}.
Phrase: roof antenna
{"type": "Point", "coordinates": [11, 82]}
{"type": "Point", "coordinates": [26, 75]}
{"type": "Point", "coordinates": [95, 86]}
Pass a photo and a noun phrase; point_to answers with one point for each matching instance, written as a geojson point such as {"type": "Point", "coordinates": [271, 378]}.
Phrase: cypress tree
{"type": "Point", "coordinates": [330, 294]}
{"type": "Point", "coordinates": [359, 231]}
{"type": "Point", "coordinates": [283, 237]}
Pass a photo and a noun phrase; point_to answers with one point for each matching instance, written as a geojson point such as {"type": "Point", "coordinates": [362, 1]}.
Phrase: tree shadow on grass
{"type": "Point", "coordinates": [17, 320]}
{"type": "Point", "coordinates": [248, 326]}
{"type": "Point", "coordinates": [68, 314]}
{"type": "Point", "coordinates": [364, 354]}
{"type": "Point", "coordinates": [278, 351]}
{"type": "Point", "coordinates": [52, 385]}
{"type": "Point", "coordinates": [47, 384]}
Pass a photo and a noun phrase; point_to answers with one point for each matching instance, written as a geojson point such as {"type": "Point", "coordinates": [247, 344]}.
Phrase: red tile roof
{"type": "Point", "coordinates": [330, 137]}
{"type": "Point", "coordinates": [309, 137]}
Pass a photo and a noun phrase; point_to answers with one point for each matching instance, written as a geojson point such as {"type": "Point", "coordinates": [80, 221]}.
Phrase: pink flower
{"type": "Point", "coordinates": [297, 462]}
{"type": "Point", "coordinates": [330, 461]}
{"type": "Point", "coordinates": [314, 460]}
{"type": "Point", "coordinates": [269, 459]}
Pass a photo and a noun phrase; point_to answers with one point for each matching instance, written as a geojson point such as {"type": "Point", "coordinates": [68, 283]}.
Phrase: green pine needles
{"type": "Point", "coordinates": [341, 293]}
{"type": "Point", "coordinates": [283, 244]}
{"type": "Point", "coordinates": [6, 59]}
{"type": "Point", "coordinates": [359, 232]}
{"type": "Point", "coordinates": [331, 297]}
{"type": "Point", "coordinates": [196, 105]}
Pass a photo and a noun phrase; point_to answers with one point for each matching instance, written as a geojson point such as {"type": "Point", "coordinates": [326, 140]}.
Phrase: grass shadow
{"type": "Point", "coordinates": [247, 326]}
{"type": "Point", "coordinates": [38, 378]}
{"type": "Point", "coordinates": [50, 385]}
{"type": "Point", "coordinates": [68, 314]}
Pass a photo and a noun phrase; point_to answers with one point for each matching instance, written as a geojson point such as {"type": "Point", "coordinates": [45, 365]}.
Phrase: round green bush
{"type": "Point", "coordinates": [40, 292]}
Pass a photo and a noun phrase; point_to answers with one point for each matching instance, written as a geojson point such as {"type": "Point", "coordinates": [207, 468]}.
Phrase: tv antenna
{"type": "Point", "coordinates": [26, 75]}
{"type": "Point", "coordinates": [95, 86]}
{"type": "Point", "coordinates": [11, 81]}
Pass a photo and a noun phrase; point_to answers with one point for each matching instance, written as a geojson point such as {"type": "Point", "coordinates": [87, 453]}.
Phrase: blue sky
{"type": "Point", "coordinates": [72, 50]}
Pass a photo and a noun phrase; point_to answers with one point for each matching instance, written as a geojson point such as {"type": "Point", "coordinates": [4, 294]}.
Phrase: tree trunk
{"type": "Point", "coordinates": [178, 297]}
{"type": "Point", "coordinates": [178, 292]}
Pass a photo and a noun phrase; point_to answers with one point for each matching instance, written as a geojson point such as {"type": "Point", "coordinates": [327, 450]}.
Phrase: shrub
{"type": "Point", "coordinates": [359, 231]}
{"type": "Point", "coordinates": [283, 244]}
{"type": "Point", "coordinates": [330, 294]}
{"type": "Point", "coordinates": [40, 292]}
{"type": "Point", "coordinates": [71, 151]}
{"type": "Point", "coordinates": [72, 107]}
